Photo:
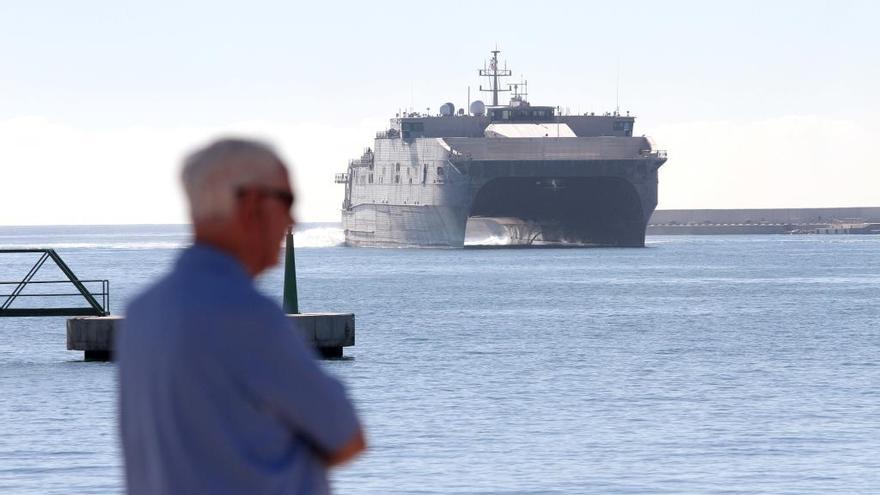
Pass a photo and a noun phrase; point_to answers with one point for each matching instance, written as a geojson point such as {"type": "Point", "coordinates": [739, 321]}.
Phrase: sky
{"type": "Point", "coordinates": [758, 104]}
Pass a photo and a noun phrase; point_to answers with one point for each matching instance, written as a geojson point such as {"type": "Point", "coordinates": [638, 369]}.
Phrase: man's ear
{"type": "Point", "coordinates": [247, 208]}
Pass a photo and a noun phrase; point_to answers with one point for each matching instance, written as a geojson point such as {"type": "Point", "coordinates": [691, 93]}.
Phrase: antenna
{"type": "Point", "coordinates": [493, 73]}
{"type": "Point", "coordinates": [617, 96]}
{"type": "Point", "coordinates": [517, 94]}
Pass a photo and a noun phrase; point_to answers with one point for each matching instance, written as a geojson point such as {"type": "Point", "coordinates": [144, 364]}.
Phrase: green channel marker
{"type": "Point", "coordinates": [290, 300]}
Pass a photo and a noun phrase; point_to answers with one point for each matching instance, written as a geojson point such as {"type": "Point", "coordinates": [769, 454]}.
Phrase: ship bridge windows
{"type": "Point", "coordinates": [412, 129]}
{"type": "Point", "coordinates": [525, 114]}
{"type": "Point", "coordinates": [624, 126]}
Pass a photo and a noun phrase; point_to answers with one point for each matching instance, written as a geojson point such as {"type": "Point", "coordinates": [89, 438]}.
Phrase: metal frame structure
{"type": "Point", "coordinates": [95, 307]}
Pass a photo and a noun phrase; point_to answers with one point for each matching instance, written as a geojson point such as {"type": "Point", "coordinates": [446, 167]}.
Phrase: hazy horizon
{"type": "Point", "coordinates": [758, 106]}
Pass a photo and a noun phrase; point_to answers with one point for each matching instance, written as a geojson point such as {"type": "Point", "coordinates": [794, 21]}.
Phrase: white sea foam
{"type": "Point", "coordinates": [319, 237]}
{"type": "Point", "coordinates": [314, 237]}
{"type": "Point", "coordinates": [492, 240]}
{"type": "Point", "coordinates": [97, 245]}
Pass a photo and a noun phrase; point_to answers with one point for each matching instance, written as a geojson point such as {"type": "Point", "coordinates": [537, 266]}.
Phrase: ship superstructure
{"type": "Point", "coordinates": [542, 176]}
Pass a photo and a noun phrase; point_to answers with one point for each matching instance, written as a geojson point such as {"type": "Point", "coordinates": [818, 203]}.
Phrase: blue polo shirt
{"type": "Point", "coordinates": [218, 392]}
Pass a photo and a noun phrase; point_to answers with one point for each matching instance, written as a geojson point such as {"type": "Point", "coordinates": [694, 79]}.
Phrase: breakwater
{"type": "Point", "coordinates": [859, 220]}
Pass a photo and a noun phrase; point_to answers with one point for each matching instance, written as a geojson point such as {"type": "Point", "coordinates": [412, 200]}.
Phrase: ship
{"type": "Point", "coordinates": [537, 175]}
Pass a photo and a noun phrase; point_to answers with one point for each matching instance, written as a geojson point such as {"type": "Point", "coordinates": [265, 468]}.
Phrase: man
{"type": "Point", "coordinates": [218, 393]}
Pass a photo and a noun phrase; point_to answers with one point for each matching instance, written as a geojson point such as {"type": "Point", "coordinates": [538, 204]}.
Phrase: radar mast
{"type": "Point", "coordinates": [519, 96]}
{"type": "Point", "coordinates": [493, 73]}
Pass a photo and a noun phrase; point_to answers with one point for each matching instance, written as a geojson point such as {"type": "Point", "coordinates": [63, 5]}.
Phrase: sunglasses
{"type": "Point", "coordinates": [285, 197]}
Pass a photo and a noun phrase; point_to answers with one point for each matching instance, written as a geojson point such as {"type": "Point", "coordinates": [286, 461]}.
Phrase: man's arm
{"type": "Point", "coordinates": [348, 451]}
{"type": "Point", "coordinates": [281, 372]}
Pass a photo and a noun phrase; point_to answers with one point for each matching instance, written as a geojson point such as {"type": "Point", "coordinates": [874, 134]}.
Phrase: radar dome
{"type": "Point", "coordinates": [478, 108]}
{"type": "Point", "coordinates": [447, 109]}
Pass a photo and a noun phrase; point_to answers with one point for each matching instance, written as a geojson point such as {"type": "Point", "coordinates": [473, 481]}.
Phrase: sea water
{"type": "Point", "coordinates": [717, 364]}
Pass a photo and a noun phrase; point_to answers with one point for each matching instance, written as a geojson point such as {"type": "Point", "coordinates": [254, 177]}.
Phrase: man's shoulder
{"type": "Point", "coordinates": [176, 320]}
{"type": "Point", "coordinates": [203, 299]}
{"type": "Point", "coordinates": [149, 297]}
{"type": "Point", "coordinates": [195, 288]}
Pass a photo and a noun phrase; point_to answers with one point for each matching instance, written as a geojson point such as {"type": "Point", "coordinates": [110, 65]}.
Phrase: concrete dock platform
{"type": "Point", "coordinates": [327, 332]}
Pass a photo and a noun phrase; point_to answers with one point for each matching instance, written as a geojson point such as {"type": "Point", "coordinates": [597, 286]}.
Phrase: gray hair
{"type": "Point", "coordinates": [213, 174]}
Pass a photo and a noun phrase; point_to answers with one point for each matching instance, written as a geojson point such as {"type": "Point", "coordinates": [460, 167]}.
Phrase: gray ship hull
{"type": "Point", "coordinates": [383, 225]}
{"type": "Point", "coordinates": [597, 191]}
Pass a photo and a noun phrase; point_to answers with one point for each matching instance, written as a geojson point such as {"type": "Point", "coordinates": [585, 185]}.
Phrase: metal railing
{"type": "Point", "coordinates": [389, 134]}
{"type": "Point", "coordinates": [94, 308]}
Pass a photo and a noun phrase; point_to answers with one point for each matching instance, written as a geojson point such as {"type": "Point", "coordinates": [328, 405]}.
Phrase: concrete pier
{"type": "Point", "coordinates": [327, 332]}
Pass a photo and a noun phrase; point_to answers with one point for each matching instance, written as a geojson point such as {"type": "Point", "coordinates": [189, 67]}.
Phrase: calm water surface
{"type": "Point", "coordinates": [740, 364]}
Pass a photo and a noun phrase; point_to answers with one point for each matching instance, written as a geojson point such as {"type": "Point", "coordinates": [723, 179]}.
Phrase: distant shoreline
{"type": "Point", "coordinates": [184, 227]}
{"type": "Point", "coordinates": [710, 221]}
